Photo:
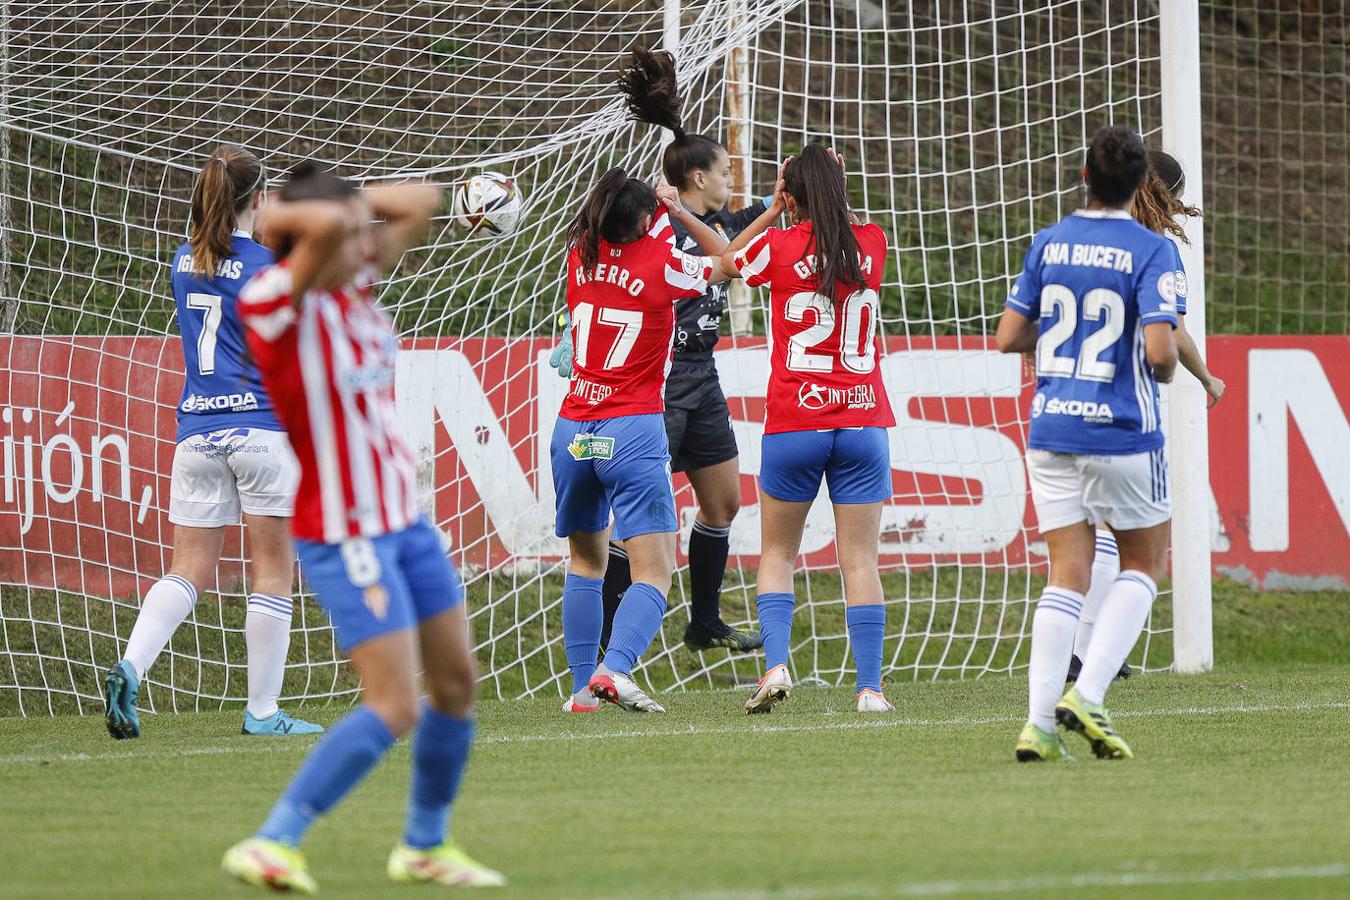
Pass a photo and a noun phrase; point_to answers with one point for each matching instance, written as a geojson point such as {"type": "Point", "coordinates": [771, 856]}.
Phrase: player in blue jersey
{"type": "Point", "coordinates": [1157, 206]}
{"type": "Point", "coordinates": [1096, 301]}
{"type": "Point", "coordinates": [232, 459]}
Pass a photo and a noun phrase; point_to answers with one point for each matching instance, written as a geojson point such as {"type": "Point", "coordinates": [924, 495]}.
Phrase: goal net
{"type": "Point", "coordinates": [964, 124]}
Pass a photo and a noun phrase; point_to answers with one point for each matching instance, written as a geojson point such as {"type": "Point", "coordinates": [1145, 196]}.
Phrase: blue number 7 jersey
{"type": "Point", "coordinates": [222, 387]}
{"type": "Point", "coordinates": [1094, 280]}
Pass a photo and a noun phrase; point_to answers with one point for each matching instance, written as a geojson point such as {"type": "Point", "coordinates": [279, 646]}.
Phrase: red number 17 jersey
{"type": "Point", "coordinates": [824, 356]}
{"type": "Point", "coordinates": [623, 322]}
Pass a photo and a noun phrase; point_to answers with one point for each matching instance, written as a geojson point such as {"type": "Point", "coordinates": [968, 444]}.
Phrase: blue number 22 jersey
{"type": "Point", "coordinates": [1094, 280]}
{"type": "Point", "coordinates": [222, 388]}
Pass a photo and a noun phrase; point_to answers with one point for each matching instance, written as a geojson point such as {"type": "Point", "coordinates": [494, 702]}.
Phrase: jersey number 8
{"type": "Point", "coordinates": [857, 351]}
{"type": "Point", "coordinates": [1099, 304]}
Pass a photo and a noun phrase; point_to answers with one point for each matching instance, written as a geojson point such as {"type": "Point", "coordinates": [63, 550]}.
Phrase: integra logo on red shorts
{"type": "Point", "coordinates": [814, 396]}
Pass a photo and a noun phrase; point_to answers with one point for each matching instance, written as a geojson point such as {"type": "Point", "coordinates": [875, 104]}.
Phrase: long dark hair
{"type": "Point", "coordinates": [1158, 203]}
{"type": "Point", "coordinates": [224, 189]}
{"type": "Point", "coordinates": [814, 180]}
{"type": "Point", "coordinates": [310, 181]}
{"type": "Point", "coordinates": [1117, 164]}
{"type": "Point", "coordinates": [648, 83]}
{"type": "Point", "coordinates": [613, 211]}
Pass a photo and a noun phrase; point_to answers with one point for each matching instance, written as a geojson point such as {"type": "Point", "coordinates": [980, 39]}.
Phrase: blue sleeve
{"type": "Point", "coordinates": [1155, 288]}
{"type": "Point", "coordinates": [1180, 284]}
{"type": "Point", "coordinates": [1026, 292]}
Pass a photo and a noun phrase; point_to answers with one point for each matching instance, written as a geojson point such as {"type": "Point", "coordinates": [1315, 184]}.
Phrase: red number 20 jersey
{"type": "Point", "coordinates": [623, 322]}
{"type": "Point", "coordinates": [824, 356]}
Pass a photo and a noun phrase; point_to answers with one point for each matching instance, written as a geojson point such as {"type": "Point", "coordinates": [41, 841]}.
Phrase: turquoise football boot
{"type": "Point", "coordinates": [120, 689]}
{"type": "Point", "coordinates": [279, 723]}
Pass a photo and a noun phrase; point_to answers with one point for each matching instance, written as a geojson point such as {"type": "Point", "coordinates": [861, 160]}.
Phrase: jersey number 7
{"type": "Point", "coordinates": [628, 321]}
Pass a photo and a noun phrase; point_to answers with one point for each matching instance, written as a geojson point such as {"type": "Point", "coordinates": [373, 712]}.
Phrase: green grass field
{"type": "Point", "coordinates": [1239, 788]}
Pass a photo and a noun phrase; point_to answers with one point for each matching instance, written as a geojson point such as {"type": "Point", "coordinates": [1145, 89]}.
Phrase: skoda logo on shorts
{"type": "Point", "coordinates": [1037, 405]}
{"type": "Point", "coordinates": [811, 396]}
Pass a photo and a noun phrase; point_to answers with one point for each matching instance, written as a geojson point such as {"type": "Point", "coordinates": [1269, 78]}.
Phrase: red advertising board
{"type": "Point", "coordinates": [87, 427]}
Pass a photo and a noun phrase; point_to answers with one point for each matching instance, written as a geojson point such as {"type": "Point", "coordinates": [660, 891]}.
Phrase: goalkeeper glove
{"type": "Point", "coordinates": [561, 357]}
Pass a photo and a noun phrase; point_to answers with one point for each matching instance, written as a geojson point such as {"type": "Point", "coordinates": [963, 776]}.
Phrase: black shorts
{"type": "Point", "coordinates": [698, 423]}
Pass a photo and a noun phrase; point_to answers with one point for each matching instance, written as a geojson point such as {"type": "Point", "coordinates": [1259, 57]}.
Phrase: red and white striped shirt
{"type": "Point", "coordinates": [328, 367]}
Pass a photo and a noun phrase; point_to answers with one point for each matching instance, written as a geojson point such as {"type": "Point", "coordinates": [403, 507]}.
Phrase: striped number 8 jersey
{"type": "Point", "coordinates": [328, 364]}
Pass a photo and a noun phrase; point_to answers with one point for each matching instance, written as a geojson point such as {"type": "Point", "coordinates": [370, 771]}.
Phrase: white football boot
{"type": "Point", "coordinates": [870, 701]}
{"type": "Point", "coordinates": [620, 690]}
{"type": "Point", "coordinates": [774, 687]}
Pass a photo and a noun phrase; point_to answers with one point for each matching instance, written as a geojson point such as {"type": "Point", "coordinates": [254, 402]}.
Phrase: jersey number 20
{"type": "Point", "coordinates": [857, 350]}
{"type": "Point", "coordinates": [1099, 304]}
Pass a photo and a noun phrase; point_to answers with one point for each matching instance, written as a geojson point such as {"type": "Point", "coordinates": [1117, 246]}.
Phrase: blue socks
{"type": "Point", "coordinates": [635, 624]}
{"type": "Point", "coordinates": [775, 627]}
{"type": "Point", "coordinates": [440, 747]}
{"type": "Point", "coordinates": [866, 630]}
{"type": "Point", "coordinates": [582, 618]}
{"type": "Point", "coordinates": [341, 759]}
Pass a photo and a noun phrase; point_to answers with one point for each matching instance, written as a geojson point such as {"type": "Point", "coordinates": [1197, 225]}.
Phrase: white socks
{"type": "Point", "coordinates": [1122, 618]}
{"type": "Point", "coordinates": [267, 632]}
{"type": "Point", "coordinates": [1052, 630]}
{"type": "Point", "coordinates": [1105, 568]}
{"type": "Point", "coordinates": [166, 605]}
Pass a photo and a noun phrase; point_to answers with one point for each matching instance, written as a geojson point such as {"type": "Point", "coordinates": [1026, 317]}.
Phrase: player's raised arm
{"type": "Point", "coordinates": [761, 224]}
{"type": "Point", "coordinates": [406, 210]}
{"type": "Point", "coordinates": [306, 233]}
{"type": "Point", "coordinates": [712, 243]}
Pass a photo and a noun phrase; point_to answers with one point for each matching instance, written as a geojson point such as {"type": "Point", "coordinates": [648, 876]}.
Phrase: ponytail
{"type": "Point", "coordinates": [814, 180]}
{"type": "Point", "coordinates": [613, 211]}
{"type": "Point", "coordinates": [652, 96]}
{"type": "Point", "coordinates": [224, 188]}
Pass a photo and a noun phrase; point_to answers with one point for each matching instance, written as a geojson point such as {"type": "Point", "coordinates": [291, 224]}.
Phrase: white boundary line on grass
{"type": "Point", "coordinates": [275, 745]}
{"type": "Point", "coordinates": [1042, 883]}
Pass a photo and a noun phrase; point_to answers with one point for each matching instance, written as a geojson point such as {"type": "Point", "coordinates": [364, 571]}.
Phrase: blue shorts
{"type": "Point", "coordinates": [375, 586]}
{"type": "Point", "coordinates": [620, 464]}
{"type": "Point", "coordinates": [855, 463]}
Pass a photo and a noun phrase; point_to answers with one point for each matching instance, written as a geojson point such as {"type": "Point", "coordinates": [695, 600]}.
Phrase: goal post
{"type": "Point", "coordinates": [1188, 423]}
{"type": "Point", "coordinates": [964, 125]}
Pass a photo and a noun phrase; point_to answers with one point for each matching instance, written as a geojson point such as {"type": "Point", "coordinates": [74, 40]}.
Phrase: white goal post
{"type": "Point", "coordinates": [964, 123]}
{"type": "Point", "coordinates": [1188, 426]}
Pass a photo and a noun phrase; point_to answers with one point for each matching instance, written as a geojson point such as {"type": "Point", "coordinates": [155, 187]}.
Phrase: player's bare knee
{"type": "Point", "coordinates": [719, 512]}
{"type": "Point", "coordinates": [454, 694]}
{"type": "Point", "coordinates": [399, 713]}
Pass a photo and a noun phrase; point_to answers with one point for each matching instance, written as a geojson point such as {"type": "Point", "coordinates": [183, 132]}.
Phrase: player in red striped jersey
{"type": "Point", "coordinates": [827, 411]}
{"type": "Point", "coordinates": [609, 449]}
{"type": "Point", "coordinates": [326, 353]}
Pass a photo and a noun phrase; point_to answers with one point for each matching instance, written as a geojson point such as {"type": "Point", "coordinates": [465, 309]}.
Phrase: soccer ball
{"type": "Point", "coordinates": [488, 202]}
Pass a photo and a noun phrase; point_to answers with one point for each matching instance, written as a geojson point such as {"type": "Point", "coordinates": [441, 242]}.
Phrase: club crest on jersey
{"type": "Point", "coordinates": [814, 396]}
{"type": "Point", "coordinates": [591, 446]}
{"type": "Point", "coordinates": [1167, 286]}
{"type": "Point", "coordinates": [1179, 284]}
{"type": "Point", "coordinates": [376, 599]}
{"type": "Point", "coordinates": [692, 266]}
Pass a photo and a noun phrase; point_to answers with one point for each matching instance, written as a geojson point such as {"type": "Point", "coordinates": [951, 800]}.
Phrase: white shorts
{"type": "Point", "coordinates": [1125, 492]}
{"type": "Point", "coordinates": [220, 474]}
